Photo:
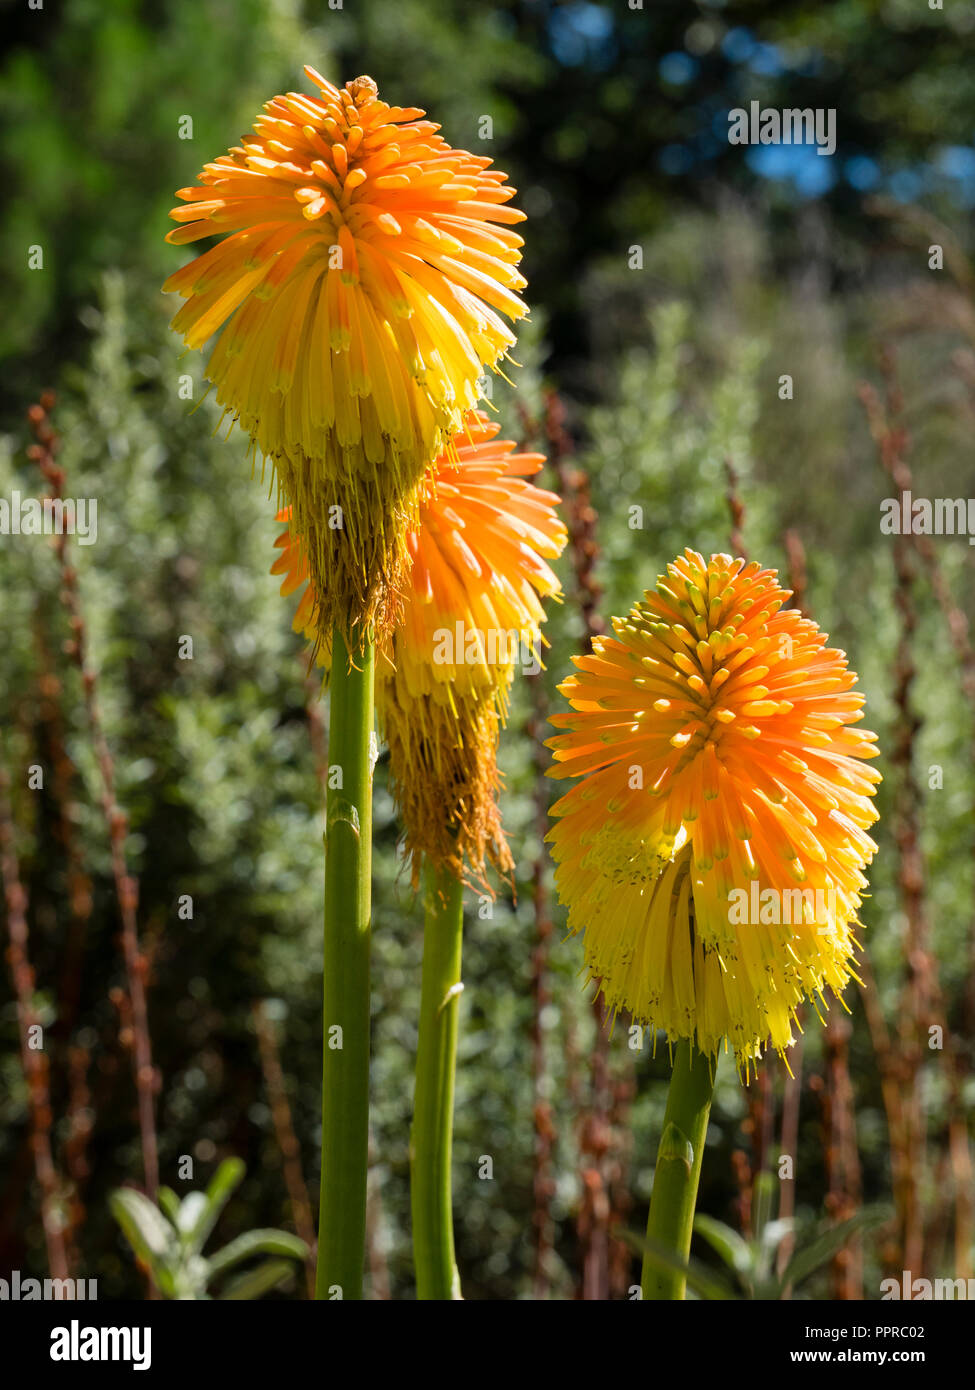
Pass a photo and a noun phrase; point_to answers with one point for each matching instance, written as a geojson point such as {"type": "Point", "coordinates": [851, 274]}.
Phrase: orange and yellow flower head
{"type": "Point", "coordinates": [358, 291]}
{"type": "Point", "coordinates": [471, 615]}
{"type": "Point", "coordinates": [712, 852]}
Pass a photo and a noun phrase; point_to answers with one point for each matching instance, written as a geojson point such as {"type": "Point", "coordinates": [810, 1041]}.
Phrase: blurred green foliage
{"type": "Point", "coordinates": [168, 1242]}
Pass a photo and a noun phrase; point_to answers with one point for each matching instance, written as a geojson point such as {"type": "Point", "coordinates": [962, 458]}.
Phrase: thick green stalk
{"type": "Point", "coordinates": [672, 1202]}
{"type": "Point", "coordinates": [345, 1018]}
{"type": "Point", "coordinates": [433, 1102]}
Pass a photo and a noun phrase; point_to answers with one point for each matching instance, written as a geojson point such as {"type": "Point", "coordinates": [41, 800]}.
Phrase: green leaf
{"type": "Point", "coordinates": [705, 1284]}
{"type": "Point", "coordinates": [732, 1247]}
{"type": "Point", "coordinates": [823, 1247]}
{"type": "Point", "coordinates": [191, 1217]}
{"type": "Point", "coordinates": [260, 1242]}
{"type": "Point", "coordinates": [144, 1225]}
{"type": "Point", "coordinates": [257, 1281]}
{"type": "Point", "coordinates": [192, 1278]}
{"type": "Point", "coordinates": [225, 1179]}
{"type": "Point", "coordinates": [148, 1232]}
{"type": "Point", "coordinates": [169, 1202]}
{"type": "Point", "coordinates": [763, 1193]}
{"type": "Point", "coordinates": [776, 1231]}
{"type": "Point", "coordinates": [773, 1234]}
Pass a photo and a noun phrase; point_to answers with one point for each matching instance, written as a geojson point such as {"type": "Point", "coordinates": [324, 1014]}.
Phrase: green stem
{"type": "Point", "coordinates": [671, 1220]}
{"type": "Point", "coordinates": [433, 1103]}
{"type": "Point", "coordinates": [345, 1017]}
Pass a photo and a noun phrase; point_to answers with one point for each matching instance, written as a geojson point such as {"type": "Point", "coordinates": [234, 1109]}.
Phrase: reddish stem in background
{"type": "Point", "coordinates": [284, 1128]}
{"type": "Point", "coordinates": [605, 1199]}
{"type": "Point", "coordinates": [921, 1003]}
{"type": "Point", "coordinates": [543, 1182]}
{"type": "Point", "coordinates": [842, 1157]}
{"type": "Point", "coordinates": [792, 1081]}
{"type": "Point", "coordinates": [545, 1134]}
{"type": "Point", "coordinates": [736, 509]}
{"type": "Point", "coordinates": [126, 886]}
{"type": "Point", "coordinates": [34, 1060]}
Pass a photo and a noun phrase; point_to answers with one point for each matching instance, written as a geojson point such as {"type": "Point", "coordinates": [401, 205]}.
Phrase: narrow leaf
{"type": "Point", "coordinates": [812, 1256]}
{"type": "Point", "coordinates": [705, 1284]}
{"type": "Point", "coordinates": [260, 1242]}
{"type": "Point", "coordinates": [225, 1179]}
{"type": "Point", "coordinates": [257, 1281]}
{"type": "Point", "coordinates": [192, 1211]}
{"type": "Point", "coordinates": [169, 1202]}
{"type": "Point", "coordinates": [732, 1248]}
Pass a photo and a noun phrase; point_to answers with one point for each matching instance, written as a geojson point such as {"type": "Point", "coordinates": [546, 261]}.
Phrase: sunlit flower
{"type": "Point", "coordinates": [471, 615]}
{"type": "Point", "coordinates": [712, 853]}
{"type": "Point", "coordinates": [357, 287]}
